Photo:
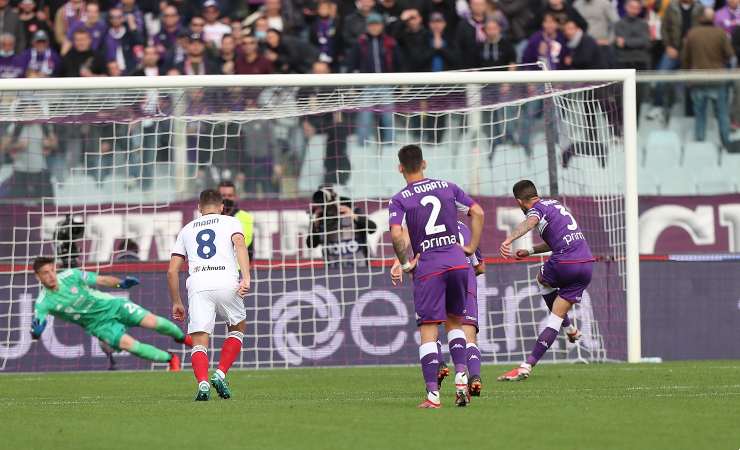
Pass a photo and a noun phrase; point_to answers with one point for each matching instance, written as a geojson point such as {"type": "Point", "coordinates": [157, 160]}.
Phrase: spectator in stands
{"type": "Point", "coordinates": [260, 158]}
{"type": "Point", "coordinates": [470, 33]}
{"type": "Point", "coordinates": [323, 32]}
{"type": "Point", "coordinates": [728, 17]}
{"type": "Point", "coordinates": [562, 11]}
{"type": "Point", "coordinates": [122, 45]}
{"type": "Point", "coordinates": [679, 17]}
{"type": "Point", "coordinates": [70, 13]}
{"type": "Point", "coordinates": [167, 36]}
{"type": "Point", "coordinates": [237, 30]}
{"type": "Point", "coordinates": [149, 63]}
{"type": "Point", "coordinates": [228, 55]}
{"type": "Point", "coordinates": [92, 24]}
{"type": "Point", "coordinates": [583, 51]}
{"type": "Point", "coordinates": [332, 124]}
{"type": "Point", "coordinates": [707, 47]}
{"type": "Point", "coordinates": [29, 144]}
{"type": "Point", "coordinates": [289, 54]}
{"type": "Point", "coordinates": [519, 14]}
{"type": "Point", "coordinates": [32, 20]}
{"type": "Point", "coordinates": [391, 11]}
{"type": "Point", "coordinates": [653, 12]}
{"type": "Point", "coordinates": [251, 61]}
{"type": "Point", "coordinates": [41, 60]}
{"type": "Point", "coordinates": [632, 44]}
{"type": "Point", "coordinates": [440, 53]}
{"type": "Point", "coordinates": [632, 38]}
{"type": "Point", "coordinates": [280, 15]}
{"type": "Point", "coordinates": [354, 24]}
{"type": "Point", "coordinates": [11, 24]}
{"type": "Point", "coordinates": [413, 42]}
{"type": "Point", "coordinates": [495, 50]}
{"type": "Point", "coordinates": [197, 24]}
{"type": "Point", "coordinates": [375, 52]}
{"type": "Point", "coordinates": [546, 45]}
{"type": "Point", "coordinates": [448, 11]}
{"type": "Point", "coordinates": [176, 54]}
{"type": "Point", "coordinates": [11, 64]}
{"type": "Point", "coordinates": [213, 31]}
{"type": "Point", "coordinates": [601, 16]}
{"type": "Point", "coordinates": [259, 29]}
{"type": "Point", "coordinates": [132, 16]}
{"type": "Point", "coordinates": [197, 61]}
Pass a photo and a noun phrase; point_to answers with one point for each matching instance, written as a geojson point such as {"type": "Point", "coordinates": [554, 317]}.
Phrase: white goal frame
{"type": "Point", "coordinates": [625, 76]}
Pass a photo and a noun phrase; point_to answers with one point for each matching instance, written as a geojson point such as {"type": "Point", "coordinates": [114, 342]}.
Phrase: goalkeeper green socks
{"type": "Point", "coordinates": [149, 352]}
{"type": "Point", "coordinates": [168, 328]}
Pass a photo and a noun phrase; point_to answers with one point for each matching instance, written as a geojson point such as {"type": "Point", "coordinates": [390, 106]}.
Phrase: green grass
{"type": "Point", "coordinates": [689, 405]}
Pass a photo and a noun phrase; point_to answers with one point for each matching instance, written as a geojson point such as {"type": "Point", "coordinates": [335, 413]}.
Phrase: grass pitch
{"type": "Point", "coordinates": [689, 405]}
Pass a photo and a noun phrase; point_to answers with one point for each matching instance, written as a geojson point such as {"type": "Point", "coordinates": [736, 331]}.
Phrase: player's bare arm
{"type": "Point", "coordinates": [534, 250]}
{"type": "Point", "coordinates": [242, 258]}
{"type": "Point", "coordinates": [520, 230]}
{"type": "Point", "coordinates": [477, 217]}
{"type": "Point", "coordinates": [396, 271]}
{"type": "Point", "coordinates": [173, 285]}
{"type": "Point", "coordinates": [400, 246]}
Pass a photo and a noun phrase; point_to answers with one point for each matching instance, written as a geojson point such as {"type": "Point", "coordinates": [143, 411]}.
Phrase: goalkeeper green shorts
{"type": "Point", "coordinates": [110, 329]}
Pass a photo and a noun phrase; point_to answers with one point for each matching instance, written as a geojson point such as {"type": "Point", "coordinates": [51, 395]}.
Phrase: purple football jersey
{"type": "Point", "coordinates": [430, 209]}
{"type": "Point", "coordinates": [464, 237]}
{"type": "Point", "coordinates": [560, 231]}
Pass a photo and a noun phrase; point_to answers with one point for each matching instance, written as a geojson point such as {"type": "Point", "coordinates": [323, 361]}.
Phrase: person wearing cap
{"type": "Point", "coordinates": [213, 30]}
{"type": "Point", "coordinates": [441, 53]}
{"type": "Point", "coordinates": [41, 60]}
{"type": "Point", "coordinates": [31, 20]}
{"type": "Point", "coordinates": [197, 61]}
{"type": "Point", "coordinates": [375, 52]}
{"type": "Point", "coordinates": [10, 23]}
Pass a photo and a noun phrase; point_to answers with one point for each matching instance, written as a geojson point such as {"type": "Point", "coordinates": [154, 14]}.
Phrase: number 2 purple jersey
{"type": "Point", "coordinates": [429, 209]}
{"type": "Point", "coordinates": [560, 231]}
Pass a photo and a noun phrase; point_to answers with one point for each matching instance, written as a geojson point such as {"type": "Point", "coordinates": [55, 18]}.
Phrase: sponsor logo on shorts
{"type": "Point", "coordinates": [198, 269]}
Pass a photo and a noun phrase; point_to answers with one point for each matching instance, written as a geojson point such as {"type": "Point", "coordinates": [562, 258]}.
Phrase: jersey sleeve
{"type": "Point", "coordinates": [41, 307]}
{"type": "Point", "coordinates": [462, 200]}
{"type": "Point", "coordinates": [535, 212]}
{"type": "Point", "coordinates": [247, 225]}
{"type": "Point", "coordinates": [88, 278]}
{"type": "Point", "coordinates": [396, 213]}
{"type": "Point", "coordinates": [179, 248]}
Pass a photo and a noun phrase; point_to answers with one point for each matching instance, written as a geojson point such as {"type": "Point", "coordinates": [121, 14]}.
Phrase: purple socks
{"type": "Point", "coordinates": [457, 344]}
{"type": "Point", "coordinates": [473, 358]}
{"type": "Point", "coordinates": [545, 339]}
{"type": "Point", "coordinates": [429, 365]}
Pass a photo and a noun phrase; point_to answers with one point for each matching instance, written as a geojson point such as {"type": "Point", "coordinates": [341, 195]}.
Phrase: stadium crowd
{"type": "Point", "coordinates": [53, 38]}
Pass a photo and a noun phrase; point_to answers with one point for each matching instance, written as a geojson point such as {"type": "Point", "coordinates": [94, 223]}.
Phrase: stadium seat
{"type": "Point", "coordinates": [662, 149]}
{"type": "Point", "coordinates": [675, 181]}
{"type": "Point", "coordinates": [700, 155]}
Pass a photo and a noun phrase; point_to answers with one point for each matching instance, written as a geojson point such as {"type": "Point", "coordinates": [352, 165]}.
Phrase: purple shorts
{"type": "Point", "coordinates": [570, 278]}
{"type": "Point", "coordinates": [471, 301]}
{"type": "Point", "coordinates": [438, 294]}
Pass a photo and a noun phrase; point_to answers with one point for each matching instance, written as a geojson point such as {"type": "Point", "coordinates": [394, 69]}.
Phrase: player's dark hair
{"type": "Point", "coordinates": [411, 158]}
{"type": "Point", "coordinates": [525, 190]}
{"type": "Point", "coordinates": [210, 197]}
{"type": "Point", "coordinates": [41, 261]}
{"type": "Point", "coordinates": [226, 183]}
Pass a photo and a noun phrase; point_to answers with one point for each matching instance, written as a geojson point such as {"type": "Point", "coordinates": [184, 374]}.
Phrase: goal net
{"type": "Point", "coordinates": [103, 174]}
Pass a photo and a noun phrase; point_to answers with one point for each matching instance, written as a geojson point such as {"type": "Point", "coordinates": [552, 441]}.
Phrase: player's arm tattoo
{"type": "Point", "coordinates": [400, 243]}
{"type": "Point", "coordinates": [523, 228]}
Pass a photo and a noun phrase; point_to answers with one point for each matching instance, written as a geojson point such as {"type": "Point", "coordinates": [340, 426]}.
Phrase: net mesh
{"type": "Point", "coordinates": [105, 180]}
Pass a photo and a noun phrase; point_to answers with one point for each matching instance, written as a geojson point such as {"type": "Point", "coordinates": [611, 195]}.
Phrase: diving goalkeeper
{"type": "Point", "coordinates": [70, 296]}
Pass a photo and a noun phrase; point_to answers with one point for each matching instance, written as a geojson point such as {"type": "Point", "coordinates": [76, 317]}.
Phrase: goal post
{"type": "Point", "coordinates": [474, 111]}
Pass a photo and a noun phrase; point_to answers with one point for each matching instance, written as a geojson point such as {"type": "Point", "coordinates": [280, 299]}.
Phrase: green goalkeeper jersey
{"type": "Point", "coordinates": [74, 300]}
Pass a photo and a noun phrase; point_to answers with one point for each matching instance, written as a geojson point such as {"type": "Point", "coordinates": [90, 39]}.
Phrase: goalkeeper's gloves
{"type": "Point", "coordinates": [128, 283]}
{"type": "Point", "coordinates": [37, 327]}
